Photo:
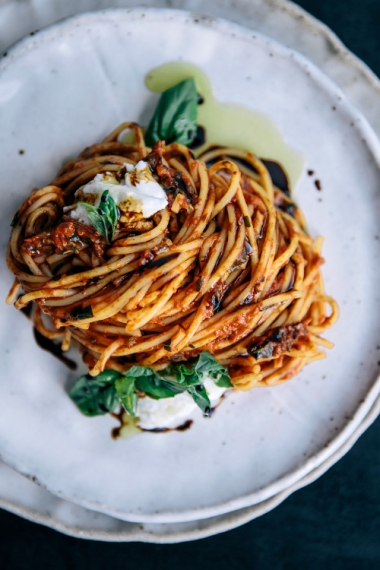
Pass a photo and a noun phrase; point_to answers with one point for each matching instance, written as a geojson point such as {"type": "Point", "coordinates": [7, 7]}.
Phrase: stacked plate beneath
{"type": "Point", "coordinates": [310, 422]}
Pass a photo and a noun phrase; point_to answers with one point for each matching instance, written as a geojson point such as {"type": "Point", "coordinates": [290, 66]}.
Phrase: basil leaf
{"type": "Point", "coordinates": [224, 380]}
{"type": "Point", "coordinates": [126, 390]}
{"type": "Point", "coordinates": [156, 386]}
{"type": "Point", "coordinates": [96, 395]}
{"type": "Point", "coordinates": [101, 393]}
{"type": "Point", "coordinates": [104, 223]}
{"type": "Point", "coordinates": [146, 380]}
{"type": "Point", "coordinates": [183, 375]}
{"type": "Point", "coordinates": [175, 118]}
{"type": "Point", "coordinates": [99, 223]}
{"type": "Point", "coordinates": [205, 367]}
{"type": "Point", "coordinates": [88, 207]}
{"type": "Point", "coordinates": [208, 366]}
{"type": "Point", "coordinates": [201, 398]}
{"type": "Point", "coordinates": [108, 206]}
{"type": "Point", "coordinates": [82, 312]}
{"type": "Point", "coordinates": [159, 388]}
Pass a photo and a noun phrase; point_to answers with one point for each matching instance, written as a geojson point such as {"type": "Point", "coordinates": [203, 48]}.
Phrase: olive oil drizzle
{"type": "Point", "coordinates": [229, 125]}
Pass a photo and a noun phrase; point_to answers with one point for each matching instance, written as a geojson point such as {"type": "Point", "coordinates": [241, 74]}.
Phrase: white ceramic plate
{"type": "Point", "coordinates": [293, 27]}
{"type": "Point", "coordinates": [21, 496]}
{"type": "Point", "coordinates": [42, 434]}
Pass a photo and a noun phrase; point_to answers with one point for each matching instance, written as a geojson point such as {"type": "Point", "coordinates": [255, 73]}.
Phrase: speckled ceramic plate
{"type": "Point", "coordinates": [23, 497]}
{"type": "Point", "coordinates": [259, 443]}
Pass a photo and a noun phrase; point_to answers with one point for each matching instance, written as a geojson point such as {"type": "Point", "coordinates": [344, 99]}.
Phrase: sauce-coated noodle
{"type": "Point", "coordinates": [226, 268]}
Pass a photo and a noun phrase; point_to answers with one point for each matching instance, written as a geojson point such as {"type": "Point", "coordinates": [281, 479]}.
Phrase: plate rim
{"type": "Point", "coordinates": [215, 525]}
{"type": "Point", "coordinates": [373, 145]}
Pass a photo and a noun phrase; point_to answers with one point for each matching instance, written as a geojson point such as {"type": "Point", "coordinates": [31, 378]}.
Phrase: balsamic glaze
{"type": "Point", "coordinates": [160, 261]}
{"type": "Point", "coordinates": [288, 208]}
{"type": "Point", "coordinates": [200, 99]}
{"type": "Point", "coordinates": [27, 311]}
{"type": "Point", "coordinates": [46, 343]}
{"type": "Point", "coordinates": [276, 171]}
{"type": "Point", "coordinates": [183, 427]}
{"type": "Point", "coordinates": [207, 412]}
{"type": "Point", "coordinates": [278, 175]}
{"type": "Point", "coordinates": [115, 433]}
{"type": "Point", "coordinates": [54, 349]}
{"type": "Point", "coordinates": [200, 138]}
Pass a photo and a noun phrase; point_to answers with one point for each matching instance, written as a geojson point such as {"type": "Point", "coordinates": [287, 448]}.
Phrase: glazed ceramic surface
{"type": "Point", "coordinates": [280, 19]}
{"type": "Point", "coordinates": [23, 497]}
{"type": "Point", "coordinates": [42, 434]}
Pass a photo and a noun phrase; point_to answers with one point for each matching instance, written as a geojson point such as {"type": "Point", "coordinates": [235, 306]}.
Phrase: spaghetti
{"type": "Point", "coordinates": [227, 267]}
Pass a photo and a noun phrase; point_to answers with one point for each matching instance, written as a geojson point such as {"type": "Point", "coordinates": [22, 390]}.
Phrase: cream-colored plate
{"type": "Point", "coordinates": [22, 497]}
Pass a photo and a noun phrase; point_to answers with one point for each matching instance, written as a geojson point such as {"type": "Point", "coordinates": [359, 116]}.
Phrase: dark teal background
{"type": "Point", "coordinates": [333, 523]}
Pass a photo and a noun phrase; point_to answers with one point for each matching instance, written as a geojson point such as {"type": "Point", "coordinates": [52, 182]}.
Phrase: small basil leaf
{"type": "Point", "coordinates": [224, 381]}
{"type": "Point", "coordinates": [103, 206]}
{"type": "Point", "coordinates": [183, 375]}
{"type": "Point", "coordinates": [208, 366]}
{"type": "Point", "coordinates": [175, 118]}
{"type": "Point", "coordinates": [108, 206]}
{"type": "Point", "coordinates": [82, 312]}
{"type": "Point", "coordinates": [99, 222]}
{"type": "Point", "coordinates": [126, 390]}
{"type": "Point", "coordinates": [158, 387]}
{"type": "Point", "coordinates": [87, 207]}
{"type": "Point", "coordinates": [105, 223]}
{"type": "Point", "coordinates": [107, 375]}
{"type": "Point", "coordinates": [96, 395]}
{"type": "Point", "coordinates": [205, 367]}
{"type": "Point", "coordinates": [201, 398]}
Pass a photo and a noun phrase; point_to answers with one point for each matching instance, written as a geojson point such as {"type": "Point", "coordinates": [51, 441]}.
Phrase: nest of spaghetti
{"type": "Point", "coordinates": [226, 267]}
